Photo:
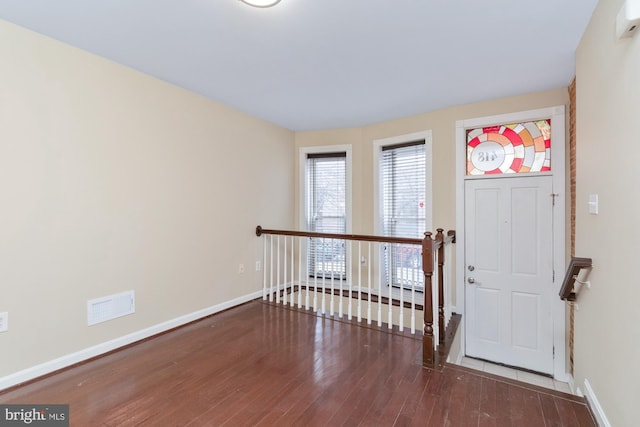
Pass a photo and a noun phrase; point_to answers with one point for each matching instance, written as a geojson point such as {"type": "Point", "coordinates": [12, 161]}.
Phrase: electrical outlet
{"type": "Point", "coordinates": [241, 268]}
{"type": "Point", "coordinates": [4, 321]}
{"type": "Point", "coordinates": [258, 266]}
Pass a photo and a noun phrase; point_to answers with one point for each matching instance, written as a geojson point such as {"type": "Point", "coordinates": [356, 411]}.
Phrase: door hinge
{"type": "Point", "coordinates": [554, 351]}
{"type": "Point", "coordinates": [553, 198]}
{"type": "Point", "coordinates": [553, 276]}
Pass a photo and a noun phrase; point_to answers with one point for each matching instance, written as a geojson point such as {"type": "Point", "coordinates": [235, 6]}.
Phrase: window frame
{"type": "Point", "coordinates": [302, 168]}
{"type": "Point", "coordinates": [378, 204]}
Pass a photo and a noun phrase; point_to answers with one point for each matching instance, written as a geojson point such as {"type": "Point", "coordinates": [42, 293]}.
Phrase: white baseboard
{"type": "Point", "coordinates": [96, 350]}
{"type": "Point", "coordinates": [598, 412]}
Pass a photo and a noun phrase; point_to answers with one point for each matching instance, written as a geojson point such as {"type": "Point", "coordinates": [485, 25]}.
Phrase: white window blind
{"type": "Point", "coordinates": [326, 212]}
{"type": "Point", "coordinates": [402, 174]}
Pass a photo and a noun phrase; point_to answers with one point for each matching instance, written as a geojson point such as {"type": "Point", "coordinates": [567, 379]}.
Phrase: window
{"type": "Point", "coordinates": [510, 148]}
{"type": "Point", "coordinates": [326, 207]}
{"type": "Point", "coordinates": [404, 204]}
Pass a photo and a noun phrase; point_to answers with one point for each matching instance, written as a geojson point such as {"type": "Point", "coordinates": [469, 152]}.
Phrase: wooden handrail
{"type": "Point", "coordinates": [365, 238]}
{"type": "Point", "coordinates": [566, 292]}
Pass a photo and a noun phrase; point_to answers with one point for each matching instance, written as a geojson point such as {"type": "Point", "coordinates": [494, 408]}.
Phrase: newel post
{"type": "Point", "coordinates": [440, 240]}
{"type": "Point", "coordinates": [427, 267]}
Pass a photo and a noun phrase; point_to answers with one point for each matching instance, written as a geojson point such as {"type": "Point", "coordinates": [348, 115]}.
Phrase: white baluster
{"type": "Point", "coordinates": [370, 285]}
{"type": "Point", "coordinates": [413, 300]}
{"type": "Point", "coordinates": [380, 290]}
{"type": "Point", "coordinates": [333, 271]}
{"type": "Point", "coordinates": [284, 272]}
{"type": "Point", "coordinates": [271, 269]}
{"type": "Point", "coordinates": [300, 252]}
{"type": "Point", "coordinates": [306, 301]}
{"type": "Point", "coordinates": [403, 281]}
{"type": "Point", "coordinates": [341, 280]}
{"type": "Point", "coordinates": [293, 277]}
{"type": "Point", "coordinates": [324, 278]}
{"type": "Point", "coordinates": [278, 272]}
{"type": "Point", "coordinates": [349, 279]}
{"type": "Point", "coordinates": [315, 280]}
{"type": "Point", "coordinates": [359, 281]}
{"type": "Point", "coordinates": [391, 264]}
{"type": "Point", "coordinates": [264, 267]}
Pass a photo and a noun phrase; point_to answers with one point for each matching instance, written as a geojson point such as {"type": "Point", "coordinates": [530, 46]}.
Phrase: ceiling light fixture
{"type": "Point", "coordinates": [261, 3]}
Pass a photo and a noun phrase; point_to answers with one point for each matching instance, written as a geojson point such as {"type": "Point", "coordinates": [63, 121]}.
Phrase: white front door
{"type": "Point", "coordinates": [509, 271]}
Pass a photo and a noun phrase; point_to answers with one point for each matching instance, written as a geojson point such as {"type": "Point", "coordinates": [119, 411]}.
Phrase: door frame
{"type": "Point", "coordinates": [558, 138]}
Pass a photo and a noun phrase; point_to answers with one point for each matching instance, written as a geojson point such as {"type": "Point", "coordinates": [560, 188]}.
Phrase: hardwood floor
{"type": "Point", "coordinates": [259, 364]}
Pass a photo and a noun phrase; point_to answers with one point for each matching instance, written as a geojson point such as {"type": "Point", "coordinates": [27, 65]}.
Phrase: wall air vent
{"type": "Point", "coordinates": [111, 307]}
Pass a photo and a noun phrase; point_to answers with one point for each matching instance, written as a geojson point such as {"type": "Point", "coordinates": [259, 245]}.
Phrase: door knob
{"type": "Point", "coordinates": [471, 280]}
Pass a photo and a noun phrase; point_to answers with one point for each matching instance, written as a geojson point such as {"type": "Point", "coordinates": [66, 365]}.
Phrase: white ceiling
{"type": "Point", "coordinates": [320, 64]}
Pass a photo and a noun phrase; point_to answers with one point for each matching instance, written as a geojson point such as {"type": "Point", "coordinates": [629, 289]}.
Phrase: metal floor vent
{"type": "Point", "coordinates": [111, 307]}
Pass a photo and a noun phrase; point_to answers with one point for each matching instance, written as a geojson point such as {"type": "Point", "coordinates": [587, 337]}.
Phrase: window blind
{"type": "Point", "coordinates": [326, 212]}
{"type": "Point", "coordinates": [403, 173]}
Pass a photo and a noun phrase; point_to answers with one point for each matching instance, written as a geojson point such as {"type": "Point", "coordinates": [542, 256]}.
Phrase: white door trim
{"type": "Point", "coordinates": [558, 137]}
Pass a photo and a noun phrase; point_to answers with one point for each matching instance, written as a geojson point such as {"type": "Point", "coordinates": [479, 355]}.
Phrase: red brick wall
{"type": "Point", "coordinates": [572, 180]}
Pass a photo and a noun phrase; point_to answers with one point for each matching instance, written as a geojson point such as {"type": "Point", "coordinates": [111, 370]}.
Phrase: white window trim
{"type": "Point", "coordinates": [304, 151]}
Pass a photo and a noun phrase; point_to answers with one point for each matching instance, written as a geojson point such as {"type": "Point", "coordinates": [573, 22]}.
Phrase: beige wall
{"type": "Point", "coordinates": [442, 123]}
{"type": "Point", "coordinates": [607, 337]}
{"type": "Point", "coordinates": [443, 126]}
{"type": "Point", "coordinates": [111, 180]}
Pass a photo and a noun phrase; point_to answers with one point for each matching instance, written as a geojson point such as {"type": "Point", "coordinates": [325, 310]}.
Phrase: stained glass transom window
{"type": "Point", "coordinates": [510, 148]}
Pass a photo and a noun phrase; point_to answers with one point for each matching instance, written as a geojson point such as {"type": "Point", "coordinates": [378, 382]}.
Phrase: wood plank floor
{"type": "Point", "coordinates": [260, 364]}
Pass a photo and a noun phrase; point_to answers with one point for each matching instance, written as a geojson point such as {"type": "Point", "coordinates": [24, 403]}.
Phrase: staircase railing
{"type": "Point", "coordinates": [389, 280]}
